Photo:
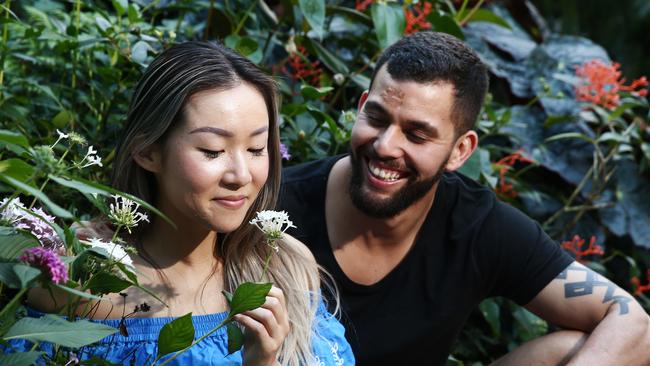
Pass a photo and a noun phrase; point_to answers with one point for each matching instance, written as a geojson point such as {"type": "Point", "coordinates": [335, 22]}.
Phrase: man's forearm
{"type": "Point", "coordinates": [621, 338]}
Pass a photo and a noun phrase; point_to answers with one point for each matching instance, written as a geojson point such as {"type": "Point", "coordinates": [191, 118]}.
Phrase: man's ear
{"type": "Point", "coordinates": [362, 100]}
{"type": "Point", "coordinates": [463, 149]}
{"type": "Point", "coordinates": [149, 158]}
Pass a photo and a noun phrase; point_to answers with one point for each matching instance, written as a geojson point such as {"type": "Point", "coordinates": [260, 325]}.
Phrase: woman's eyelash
{"type": "Point", "coordinates": [210, 154]}
{"type": "Point", "coordinates": [257, 152]}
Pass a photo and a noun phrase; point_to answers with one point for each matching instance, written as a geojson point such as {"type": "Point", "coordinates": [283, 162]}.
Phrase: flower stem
{"type": "Point", "coordinates": [11, 303]}
{"type": "Point", "coordinates": [115, 234]}
{"type": "Point", "coordinates": [41, 190]}
{"type": "Point", "coordinates": [266, 264]}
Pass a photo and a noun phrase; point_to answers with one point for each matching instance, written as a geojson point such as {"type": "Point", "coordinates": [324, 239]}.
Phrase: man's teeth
{"type": "Point", "coordinates": [386, 175]}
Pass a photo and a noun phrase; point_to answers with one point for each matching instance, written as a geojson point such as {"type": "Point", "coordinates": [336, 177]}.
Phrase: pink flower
{"type": "Point", "coordinates": [284, 152]}
{"type": "Point", "coordinates": [47, 260]}
{"type": "Point", "coordinates": [15, 213]}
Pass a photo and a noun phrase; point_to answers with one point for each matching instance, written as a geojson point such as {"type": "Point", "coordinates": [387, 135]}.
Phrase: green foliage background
{"type": "Point", "coordinates": [71, 65]}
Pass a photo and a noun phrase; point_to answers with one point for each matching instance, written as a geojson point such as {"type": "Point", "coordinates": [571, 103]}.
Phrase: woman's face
{"type": "Point", "coordinates": [213, 165]}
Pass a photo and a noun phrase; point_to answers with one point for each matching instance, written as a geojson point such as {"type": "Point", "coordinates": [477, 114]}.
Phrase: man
{"type": "Point", "coordinates": [414, 247]}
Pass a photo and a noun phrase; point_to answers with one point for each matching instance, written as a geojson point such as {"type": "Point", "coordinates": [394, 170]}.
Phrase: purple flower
{"type": "Point", "coordinates": [284, 152]}
{"type": "Point", "coordinates": [14, 212]}
{"type": "Point", "coordinates": [47, 260]}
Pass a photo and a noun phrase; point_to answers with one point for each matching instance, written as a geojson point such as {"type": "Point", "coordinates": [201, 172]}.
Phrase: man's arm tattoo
{"type": "Point", "coordinates": [586, 287]}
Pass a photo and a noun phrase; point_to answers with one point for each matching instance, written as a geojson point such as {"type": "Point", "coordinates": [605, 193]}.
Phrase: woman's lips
{"type": "Point", "coordinates": [231, 201]}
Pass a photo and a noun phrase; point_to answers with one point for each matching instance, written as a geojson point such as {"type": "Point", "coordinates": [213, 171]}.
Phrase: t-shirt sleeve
{"type": "Point", "coordinates": [515, 256]}
{"type": "Point", "coordinates": [329, 344]}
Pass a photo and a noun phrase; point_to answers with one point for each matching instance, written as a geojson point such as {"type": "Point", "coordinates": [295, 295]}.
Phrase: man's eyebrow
{"type": "Point", "coordinates": [425, 127]}
{"type": "Point", "coordinates": [226, 133]}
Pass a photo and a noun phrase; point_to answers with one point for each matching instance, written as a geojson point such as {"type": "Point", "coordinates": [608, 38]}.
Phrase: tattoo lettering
{"type": "Point", "coordinates": [586, 287]}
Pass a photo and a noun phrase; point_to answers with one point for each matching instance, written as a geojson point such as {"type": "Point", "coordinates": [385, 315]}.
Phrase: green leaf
{"type": "Point", "coordinates": [235, 338]}
{"type": "Point", "coordinates": [13, 138]}
{"type": "Point", "coordinates": [228, 296]}
{"type": "Point", "coordinates": [389, 23]}
{"type": "Point", "coordinates": [248, 296]}
{"type": "Point", "coordinates": [570, 135]}
{"type": "Point", "coordinates": [134, 13]}
{"type": "Point", "coordinates": [16, 168]}
{"type": "Point", "coordinates": [62, 119]}
{"type": "Point", "coordinates": [55, 209]}
{"type": "Point", "coordinates": [54, 329]}
{"type": "Point", "coordinates": [472, 166]}
{"type": "Point", "coordinates": [332, 62]}
{"type": "Point", "coordinates": [445, 24]}
{"type": "Point", "coordinates": [139, 52]}
{"type": "Point", "coordinates": [490, 311]}
{"type": "Point", "coordinates": [483, 15]}
{"type": "Point", "coordinates": [176, 335]}
{"type": "Point", "coordinates": [20, 359]}
{"type": "Point", "coordinates": [314, 12]}
{"type": "Point", "coordinates": [25, 273]}
{"type": "Point", "coordinates": [311, 93]}
{"type": "Point", "coordinates": [120, 6]}
{"type": "Point", "coordinates": [20, 277]}
{"type": "Point", "coordinates": [14, 242]}
{"type": "Point", "coordinates": [86, 186]}
{"type": "Point", "coordinates": [77, 292]}
{"type": "Point", "coordinates": [106, 283]}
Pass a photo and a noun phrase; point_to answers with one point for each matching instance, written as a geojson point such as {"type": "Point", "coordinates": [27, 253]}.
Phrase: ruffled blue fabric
{"type": "Point", "coordinates": [140, 346]}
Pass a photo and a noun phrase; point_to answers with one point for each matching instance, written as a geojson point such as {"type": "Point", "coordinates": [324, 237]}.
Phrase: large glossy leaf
{"type": "Point", "coordinates": [248, 296]}
{"type": "Point", "coordinates": [389, 22]}
{"type": "Point", "coordinates": [329, 59]}
{"type": "Point", "coordinates": [314, 12]}
{"type": "Point", "coordinates": [176, 335]}
{"type": "Point", "coordinates": [106, 283]}
{"type": "Point", "coordinates": [55, 209]}
{"type": "Point", "coordinates": [13, 138]}
{"type": "Point", "coordinates": [14, 242]}
{"type": "Point", "coordinates": [16, 168]}
{"type": "Point", "coordinates": [20, 359]}
{"type": "Point", "coordinates": [235, 338]}
{"type": "Point", "coordinates": [54, 329]}
{"type": "Point", "coordinates": [16, 275]}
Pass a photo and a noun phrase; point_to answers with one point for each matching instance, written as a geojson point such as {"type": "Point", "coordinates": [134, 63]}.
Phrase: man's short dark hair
{"type": "Point", "coordinates": [433, 57]}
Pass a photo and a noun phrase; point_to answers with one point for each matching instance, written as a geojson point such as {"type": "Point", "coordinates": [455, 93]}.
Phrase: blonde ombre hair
{"type": "Point", "coordinates": [156, 107]}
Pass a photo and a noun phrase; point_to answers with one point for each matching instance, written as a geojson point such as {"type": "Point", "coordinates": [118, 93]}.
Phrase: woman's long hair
{"type": "Point", "coordinates": [156, 107]}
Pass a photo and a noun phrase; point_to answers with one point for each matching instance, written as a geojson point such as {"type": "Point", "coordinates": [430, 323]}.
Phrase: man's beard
{"type": "Point", "coordinates": [398, 202]}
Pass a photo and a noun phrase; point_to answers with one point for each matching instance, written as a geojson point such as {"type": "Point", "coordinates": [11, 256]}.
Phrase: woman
{"type": "Point", "coordinates": [201, 143]}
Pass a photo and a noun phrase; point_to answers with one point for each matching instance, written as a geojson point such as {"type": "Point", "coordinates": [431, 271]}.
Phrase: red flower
{"type": "Point", "coordinates": [576, 244]}
{"type": "Point", "coordinates": [639, 288]}
{"type": "Point", "coordinates": [416, 19]}
{"type": "Point", "coordinates": [302, 68]}
{"type": "Point", "coordinates": [602, 83]}
{"type": "Point", "coordinates": [361, 5]}
{"type": "Point", "coordinates": [504, 188]}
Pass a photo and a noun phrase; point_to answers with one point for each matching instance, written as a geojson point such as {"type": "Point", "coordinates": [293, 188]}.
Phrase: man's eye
{"type": "Point", "coordinates": [210, 154]}
{"type": "Point", "coordinates": [375, 121]}
{"type": "Point", "coordinates": [418, 138]}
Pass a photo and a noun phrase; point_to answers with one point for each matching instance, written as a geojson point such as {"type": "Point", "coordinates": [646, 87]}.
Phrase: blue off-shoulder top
{"type": "Point", "coordinates": [140, 346]}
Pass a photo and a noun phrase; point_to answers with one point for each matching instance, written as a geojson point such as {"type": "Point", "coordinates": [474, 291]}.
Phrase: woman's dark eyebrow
{"type": "Point", "coordinates": [226, 133]}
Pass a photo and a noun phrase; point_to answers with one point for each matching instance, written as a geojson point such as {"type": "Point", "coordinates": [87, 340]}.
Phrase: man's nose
{"type": "Point", "coordinates": [388, 142]}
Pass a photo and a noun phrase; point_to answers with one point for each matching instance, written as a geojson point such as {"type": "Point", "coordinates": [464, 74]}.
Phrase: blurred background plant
{"type": "Point", "coordinates": [564, 136]}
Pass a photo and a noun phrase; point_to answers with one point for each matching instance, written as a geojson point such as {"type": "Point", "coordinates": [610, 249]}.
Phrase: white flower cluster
{"type": "Point", "coordinates": [114, 251]}
{"type": "Point", "coordinates": [90, 159]}
{"type": "Point", "coordinates": [273, 224]}
{"type": "Point", "coordinates": [124, 212]}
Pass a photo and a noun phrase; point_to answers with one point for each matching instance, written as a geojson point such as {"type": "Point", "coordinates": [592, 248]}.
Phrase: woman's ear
{"type": "Point", "coordinates": [463, 149]}
{"type": "Point", "coordinates": [149, 158]}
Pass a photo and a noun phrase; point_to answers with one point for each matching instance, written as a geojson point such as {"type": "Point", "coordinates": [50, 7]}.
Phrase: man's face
{"type": "Point", "coordinates": [401, 143]}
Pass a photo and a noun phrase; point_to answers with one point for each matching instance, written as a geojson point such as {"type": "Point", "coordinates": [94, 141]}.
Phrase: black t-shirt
{"type": "Point", "coordinates": [471, 246]}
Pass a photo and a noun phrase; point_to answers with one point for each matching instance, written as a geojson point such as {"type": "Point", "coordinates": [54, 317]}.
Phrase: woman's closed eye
{"type": "Point", "coordinates": [211, 154]}
{"type": "Point", "coordinates": [258, 152]}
